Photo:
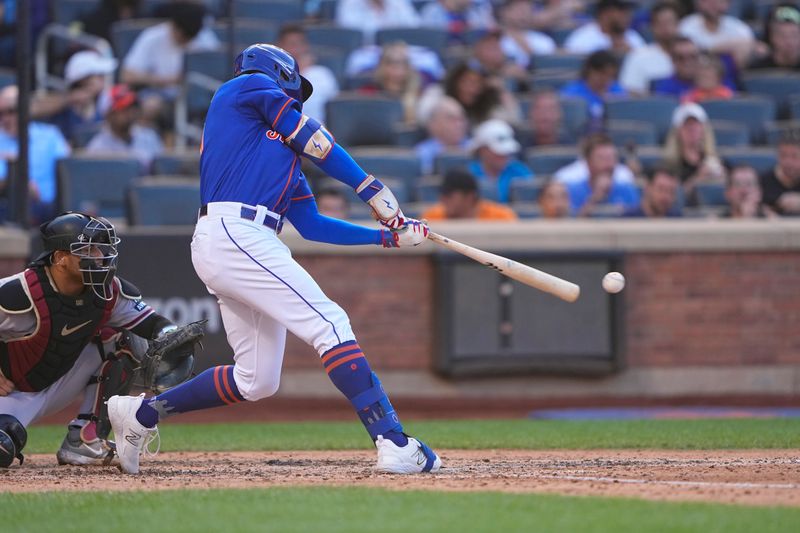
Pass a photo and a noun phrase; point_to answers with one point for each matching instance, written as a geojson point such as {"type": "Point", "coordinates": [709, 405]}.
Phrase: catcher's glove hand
{"type": "Point", "coordinates": [169, 361]}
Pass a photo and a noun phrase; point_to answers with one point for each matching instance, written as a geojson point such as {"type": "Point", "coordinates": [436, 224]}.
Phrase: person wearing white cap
{"type": "Point", "coordinates": [691, 148]}
{"type": "Point", "coordinates": [494, 146]}
{"type": "Point", "coordinates": [85, 99]}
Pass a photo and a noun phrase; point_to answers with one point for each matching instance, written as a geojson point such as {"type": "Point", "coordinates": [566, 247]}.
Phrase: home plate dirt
{"type": "Point", "coordinates": [752, 477]}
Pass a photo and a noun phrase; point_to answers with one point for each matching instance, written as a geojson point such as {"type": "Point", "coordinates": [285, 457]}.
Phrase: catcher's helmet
{"type": "Point", "coordinates": [276, 63]}
{"type": "Point", "coordinates": [92, 239]}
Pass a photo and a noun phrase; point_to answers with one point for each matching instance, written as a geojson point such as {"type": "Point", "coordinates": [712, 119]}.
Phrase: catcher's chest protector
{"type": "Point", "coordinates": [64, 326]}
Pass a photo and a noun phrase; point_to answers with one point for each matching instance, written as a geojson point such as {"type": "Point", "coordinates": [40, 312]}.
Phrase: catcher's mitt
{"type": "Point", "coordinates": [169, 361]}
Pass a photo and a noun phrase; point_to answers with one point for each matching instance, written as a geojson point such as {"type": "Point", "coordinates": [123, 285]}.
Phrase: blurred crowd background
{"type": "Point", "coordinates": [488, 109]}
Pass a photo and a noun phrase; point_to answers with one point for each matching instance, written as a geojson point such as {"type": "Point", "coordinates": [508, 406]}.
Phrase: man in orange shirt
{"type": "Point", "coordinates": [460, 199]}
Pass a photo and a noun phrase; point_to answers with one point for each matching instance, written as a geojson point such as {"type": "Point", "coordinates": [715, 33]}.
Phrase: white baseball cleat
{"type": "Point", "coordinates": [413, 458]}
{"type": "Point", "coordinates": [131, 437]}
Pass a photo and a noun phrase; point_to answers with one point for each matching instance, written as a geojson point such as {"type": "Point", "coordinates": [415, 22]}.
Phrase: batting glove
{"type": "Point", "coordinates": [413, 233]}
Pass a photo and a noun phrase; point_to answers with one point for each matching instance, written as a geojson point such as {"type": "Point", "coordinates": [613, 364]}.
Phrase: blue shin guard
{"type": "Point", "coordinates": [349, 370]}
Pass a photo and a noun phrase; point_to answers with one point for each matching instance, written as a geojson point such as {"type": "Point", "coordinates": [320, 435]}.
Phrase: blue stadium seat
{"type": "Point", "coordinates": [649, 157]}
{"type": "Point", "coordinates": [728, 133]}
{"type": "Point", "coordinates": [83, 133]}
{"type": "Point", "coordinates": [246, 31]}
{"type": "Point", "coordinates": [794, 107]}
{"type": "Point", "coordinates": [778, 86]}
{"type": "Point", "coordinates": [432, 38]}
{"type": "Point", "coordinates": [449, 160]}
{"type": "Point", "coordinates": [547, 160]}
{"type": "Point", "coordinates": [427, 189]}
{"type": "Point", "coordinates": [575, 113]}
{"type": "Point", "coordinates": [332, 37]}
{"type": "Point", "coordinates": [177, 164]}
{"type": "Point", "coordinates": [553, 79]}
{"type": "Point", "coordinates": [526, 191]}
{"type": "Point", "coordinates": [358, 120]}
{"type": "Point", "coordinates": [762, 159]}
{"type": "Point", "coordinates": [7, 77]}
{"type": "Point", "coordinates": [751, 112]}
{"type": "Point", "coordinates": [214, 64]}
{"type": "Point", "coordinates": [637, 132]}
{"type": "Point", "coordinates": [125, 32]}
{"type": "Point", "coordinates": [560, 36]}
{"type": "Point", "coordinates": [163, 201]}
{"type": "Point", "coordinates": [773, 131]}
{"type": "Point", "coordinates": [95, 184]}
{"type": "Point", "coordinates": [656, 110]}
{"type": "Point", "coordinates": [526, 210]}
{"type": "Point", "coordinates": [572, 62]}
{"type": "Point", "coordinates": [278, 11]}
{"type": "Point", "coordinates": [710, 194]}
{"type": "Point", "coordinates": [68, 11]}
{"type": "Point", "coordinates": [488, 190]}
{"type": "Point", "coordinates": [399, 164]}
{"type": "Point", "coordinates": [333, 59]}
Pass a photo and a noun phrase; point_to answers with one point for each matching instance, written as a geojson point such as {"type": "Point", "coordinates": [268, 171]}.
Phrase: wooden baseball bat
{"type": "Point", "coordinates": [543, 281]}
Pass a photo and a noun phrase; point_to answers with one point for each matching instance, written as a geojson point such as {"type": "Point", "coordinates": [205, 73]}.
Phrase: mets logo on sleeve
{"type": "Point", "coordinates": [274, 136]}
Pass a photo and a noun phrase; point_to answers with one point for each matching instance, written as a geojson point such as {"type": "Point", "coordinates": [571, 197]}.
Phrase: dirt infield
{"type": "Point", "coordinates": [750, 477]}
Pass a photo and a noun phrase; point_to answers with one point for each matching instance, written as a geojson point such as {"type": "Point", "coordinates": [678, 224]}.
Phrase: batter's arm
{"type": "Point", "coordinates": [314, 226]}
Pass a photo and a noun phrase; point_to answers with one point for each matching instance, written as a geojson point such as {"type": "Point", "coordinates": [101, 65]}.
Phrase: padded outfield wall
{"type": "Point", "coordinates": [711, 309]}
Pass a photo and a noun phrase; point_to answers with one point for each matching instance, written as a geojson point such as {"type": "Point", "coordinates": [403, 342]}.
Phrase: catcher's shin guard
{"type": "Point", "coordinates": [349, 370]}
{"type": "Point", "coordinates": [13, 438]}
{"type": "Point", "coordinates": [114, 378]}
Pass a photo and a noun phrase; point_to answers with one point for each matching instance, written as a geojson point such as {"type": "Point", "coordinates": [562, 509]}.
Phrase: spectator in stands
{"type": "Point", "coordinates": [716, 32]}
{"type": "Point", "coordinates": [781, 186]}
{"type": "Point", "coordinates": [708, 83]}
{"type": "Point", "coordinates": [659, 196]}
{"type": "Point", "coordinates": [99, 21]}
{"type": "Point", "coordinates": [598, 178]}
{"type": "Point", "coordinates": [782, 35]}
{"type": "Point", "coordinates": [458, 16]}
{"type": "Point", "coordinates": [369, 16]}
{"type": "Point", "coordinates": [652, 61]}
{"type": "Point", "coordinates": [546, 119]}
{"type": "Point", "coordinates": [554, 200]}
{"type": "Point", "coordinates": [685, 60]}
{"type": "Point", "coordinates": [155, 61]}
{"type": "Point", "coordinates": [396, 78]}
{"type": "Point", "coordinates": [447, 131]}
{"type": "Point", "coordinates": [503, 72]}
{"type": "Point", "coordinates": [480, 96]}
{"type": "Point", "coordinates": [460, 198]}
{"type": "Point", "coordinates": [744, 195]}
{"type": "Point", "coordinates": [551, 15]}
{"type": "Point", "coordinates": [519, 41]}
{"type": "Point", "coordinates": [494, 146]}
{"type": "Point", "coordinates": [292, 38]}
{"type": "Point", "coordinates": [85, 101]}
{"type": "Point", "coordinates": [609, 31]}
{"type": "Point", "coordinates": [46, 146]}
{"type": "Point", "coordinates": [597, 82]}
{"type": "Point", "coordinates": [691, 149]}
{"type": "Point", "coordinates": [121, 135]}
{"type": "Point", "coordinates": [333, 203]}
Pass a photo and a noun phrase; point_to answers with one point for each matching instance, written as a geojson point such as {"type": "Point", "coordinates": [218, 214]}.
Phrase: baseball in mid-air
{"type": "Point", "coordinates": [613, 282]}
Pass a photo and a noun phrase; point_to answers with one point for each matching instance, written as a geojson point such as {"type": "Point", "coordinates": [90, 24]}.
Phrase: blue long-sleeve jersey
{"type": "Point", "coordinates": [244, 158]}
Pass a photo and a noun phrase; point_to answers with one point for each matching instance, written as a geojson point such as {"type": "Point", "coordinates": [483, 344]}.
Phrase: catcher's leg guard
{"type": "Point", "coordinates": [114, 378]}
{"type": "Point", "coordinates": [13, 438]}
{"type": "Point", "coordinates": [349, 370]}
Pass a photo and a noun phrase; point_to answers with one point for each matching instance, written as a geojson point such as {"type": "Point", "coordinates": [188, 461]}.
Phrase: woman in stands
{"type": "Point", "coordinates": [395, 77]}
{"type": "Point", "coordinates": [691, 149]}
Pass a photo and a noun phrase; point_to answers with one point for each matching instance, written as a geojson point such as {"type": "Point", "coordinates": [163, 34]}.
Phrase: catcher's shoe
{"type": "Point", "coordinates": [413, 458]}
{"type": "Point", "coordinates": [83, 447]}
{"type": "Point", "coordinates": [131, 437]}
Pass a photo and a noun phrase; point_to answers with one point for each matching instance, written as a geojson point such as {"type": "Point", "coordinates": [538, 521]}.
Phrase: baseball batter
{"type": "Point", "coordinates": [57, 341]}
{"type": "Point", "coordinates": [250, 179]}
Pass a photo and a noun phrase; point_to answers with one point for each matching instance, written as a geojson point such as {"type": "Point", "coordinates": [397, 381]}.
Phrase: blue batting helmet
{"type": "Point", "coordinates": [276, 63]}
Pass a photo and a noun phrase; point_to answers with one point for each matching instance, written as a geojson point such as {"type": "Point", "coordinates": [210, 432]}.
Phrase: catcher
{"type": "Point", "coordinates": [68, 326]}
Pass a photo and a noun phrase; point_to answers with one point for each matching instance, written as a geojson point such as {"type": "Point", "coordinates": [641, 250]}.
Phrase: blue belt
{"type": "Point", "coordinates": [250, 214]}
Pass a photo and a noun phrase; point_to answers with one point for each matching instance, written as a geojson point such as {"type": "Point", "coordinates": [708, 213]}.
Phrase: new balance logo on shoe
{"type": "Point", "coordinates": [133, 439]}
{"type": "Point", "coordinates": [419, 456]}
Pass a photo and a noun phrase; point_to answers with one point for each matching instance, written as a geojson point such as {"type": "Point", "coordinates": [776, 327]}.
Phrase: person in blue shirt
{"type": "Point", "coordinates": [602, 185]}
{"type": "Point", "coordinates": [250, 182]}
{"type": "Point", "coordinates": [46, 146]}
{"type": "Point", "coordinates": [660, 198]}
{"type": "Point", "coordinates": [598, 81]}
{"type": "Point", "coordinates": [495, 166]}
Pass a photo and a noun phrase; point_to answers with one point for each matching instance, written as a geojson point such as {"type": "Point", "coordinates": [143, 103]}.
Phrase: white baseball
{"type": "Point", "coordinates": [613, 282]}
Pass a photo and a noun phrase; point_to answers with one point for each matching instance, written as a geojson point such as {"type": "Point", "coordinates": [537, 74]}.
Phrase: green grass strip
{"type": "Point", "coordinates": [470, 434]}
{"type": "Point", "coordinates": [353, 510]}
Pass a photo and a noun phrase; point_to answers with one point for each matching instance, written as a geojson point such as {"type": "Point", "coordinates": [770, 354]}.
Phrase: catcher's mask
{"type": "Point", "coordinates": [93, 240]}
